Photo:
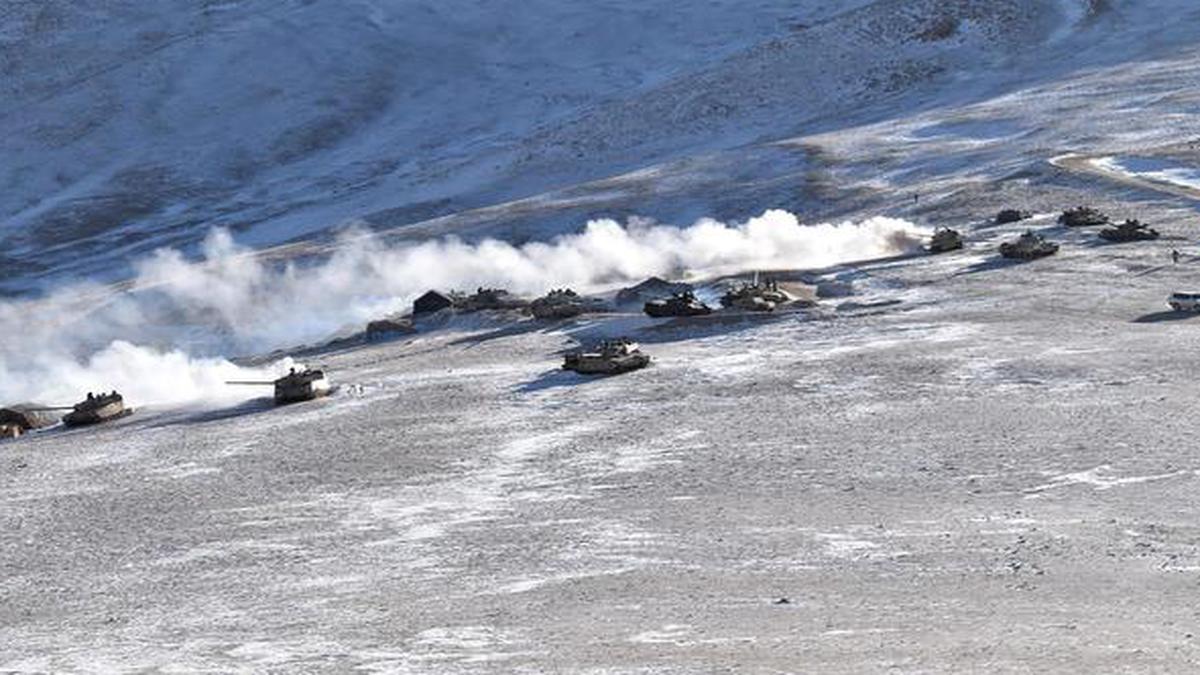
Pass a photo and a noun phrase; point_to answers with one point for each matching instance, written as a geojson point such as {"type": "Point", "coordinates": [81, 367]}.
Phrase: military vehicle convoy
{"type": "Point", "coordinates": [1028, 246]}
{"type": "Point", "coordinates": [97, 409]}
{"type": "Point", "coordinates": [1007, 216]}
{"type": "Point", "coordinates": [683, 303]}
{"type": "Point", "coordinates": [1083, 216]}
{"type": "Point", "coordinates": [610, 357]}
{"type": "Point", "coordinates": [945, 240]}
{"type": "Point", "coordinates": [296, 386]}
{"type": "Point", "coordinates": [1130, 230]}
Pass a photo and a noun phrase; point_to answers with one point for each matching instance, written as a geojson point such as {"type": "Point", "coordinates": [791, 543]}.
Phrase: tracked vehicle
{"type": "Point", "coordinates": [484, 299]}
{"type": "Point", "coordinates": [560, 303]}
{"type": "Point", "coordinates": [96, 410]}
{"type": "Point", "coordinates": [296, 386]}
{"type": "Point", "coordinates": [759, 296]}
{"type": "Point", "coordinates": [1007, 216]}
{"type": "Point", "coordinates": [683, 303]}
{"type": "Point", "coordinates": [1083, 216]}
{"type": "Point", "coordinates": [1027, 247]}
{"type": "Point", "coordinates": [1130, 230]}
{"type": "Point", "coordinates": [610, 357]}
{"type": "Point", "coordinates": [945, 240]}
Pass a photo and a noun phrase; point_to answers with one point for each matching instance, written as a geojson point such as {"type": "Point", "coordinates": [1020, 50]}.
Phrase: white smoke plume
{"type": "Point", "coordinates": [159, 338]}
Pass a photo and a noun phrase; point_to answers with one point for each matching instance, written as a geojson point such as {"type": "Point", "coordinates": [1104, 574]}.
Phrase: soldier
{"type": "Point", "coordinates": [1175, 256]}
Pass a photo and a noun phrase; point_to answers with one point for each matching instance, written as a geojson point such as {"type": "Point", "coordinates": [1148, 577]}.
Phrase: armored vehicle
{"type": "Point", "coordinates": [762, 296]}
{"type": "Point", "coordinates": [1012, 216]}
{"type": "Point", "coordinates": [1082, 216]}
{"type": "Point", "coordinates": [560, 303]}
{"type": "Point", "coordinates": [296, 386]}
{"type": "Point", "coordinates": [683, 303]}
{"type": "Point", "coordinates": [488, 299]}
{"type": "Point", "coordinates": [1130, 230]}
{"type": "Point", "coordinates": [1027, 247]}
{"type": "Point", "coordinates": [610, 357]}
{"type": "Point", "coordinates": [96, 409]}
{"type": "Point", "coordinates": [945, 240]}
{"type": "Point", "coordinates": [305, 385]}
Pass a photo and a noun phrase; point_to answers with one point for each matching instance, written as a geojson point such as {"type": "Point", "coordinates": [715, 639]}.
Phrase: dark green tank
{"type": "Point", "coordinates": [1028, 246]}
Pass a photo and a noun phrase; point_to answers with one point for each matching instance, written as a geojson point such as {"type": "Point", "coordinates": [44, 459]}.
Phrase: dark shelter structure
{"type": "Point", "coordinates": [431, 302]}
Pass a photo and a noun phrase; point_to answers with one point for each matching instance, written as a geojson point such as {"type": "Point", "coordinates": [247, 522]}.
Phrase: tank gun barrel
{"type": "Point", "coordinates": [49, 408]}
{"type": "Point", "coordinates": [258, 383]}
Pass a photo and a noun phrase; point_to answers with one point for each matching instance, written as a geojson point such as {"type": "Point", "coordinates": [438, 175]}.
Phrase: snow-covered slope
{"type": "Point", "coordinates": [127, 126]}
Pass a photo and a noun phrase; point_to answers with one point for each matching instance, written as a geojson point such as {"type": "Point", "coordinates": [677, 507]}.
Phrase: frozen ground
{"type": "Point", "coordinates": [992, 475]}
{"type": "Point", "coordinates": [977, 467]}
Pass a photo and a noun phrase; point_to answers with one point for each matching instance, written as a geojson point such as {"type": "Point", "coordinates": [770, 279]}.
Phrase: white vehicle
{"type": "Point", "coordinates": [1184, 302]}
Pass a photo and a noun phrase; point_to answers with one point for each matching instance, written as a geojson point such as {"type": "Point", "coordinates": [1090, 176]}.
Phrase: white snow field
{"type": "Point", "coordinates": [959, 464]}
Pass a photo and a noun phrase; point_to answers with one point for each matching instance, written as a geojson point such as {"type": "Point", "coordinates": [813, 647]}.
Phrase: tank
{"type": "Point", "coordinates": [683, 303]}
{"type": "Point", "coordinates": [945, 240]}
{"type": "Point", "coordinates": [560, 303]}
{"type": "Point", "coordinates": [488, 299]}
{"type": "Point", "coordinates": [296, 386]}
{"type": "Point", "coordinates": [1083, 216]}
{"type": "Point", "coordinates": [1012, 216]}
{"type": "Point", "coordinates": [1130, 230]}
{"type": "Point", "coordinates": [1027, 247]}
{"type": "Point", "coordinates": [97, 409]}
{"type": "Point", "coordinates": [610, 357]}
{"type": "Point", "coordinates": [762, 296]}
{"type": "Point", "coordinates": [304, 385]}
